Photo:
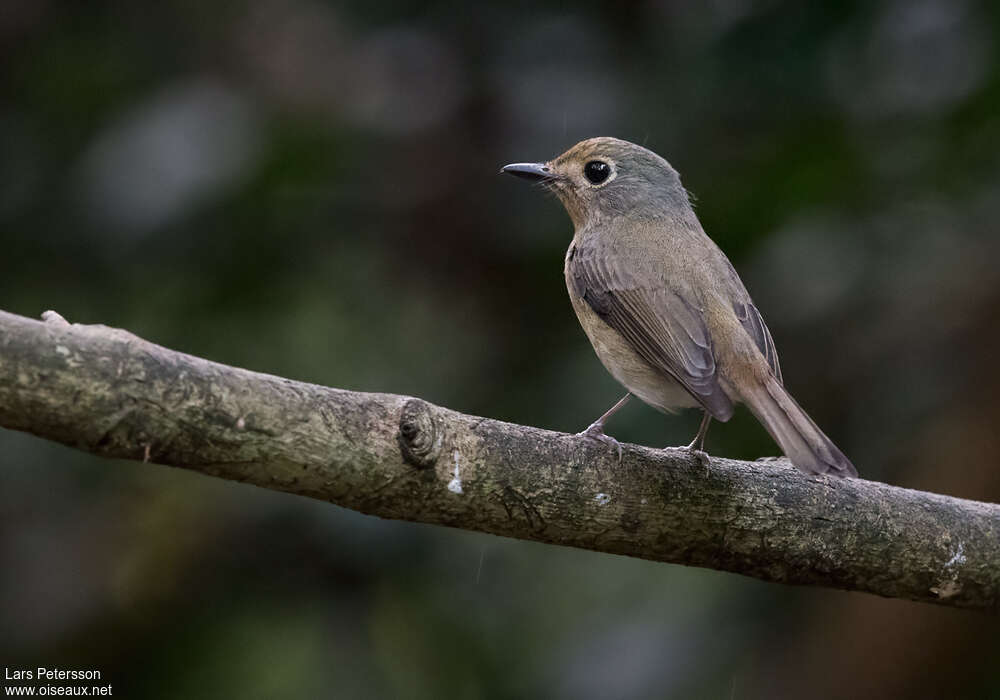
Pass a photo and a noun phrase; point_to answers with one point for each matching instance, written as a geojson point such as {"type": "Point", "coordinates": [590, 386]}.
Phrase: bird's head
{"type": "Point", "coordinates": [603, 178]}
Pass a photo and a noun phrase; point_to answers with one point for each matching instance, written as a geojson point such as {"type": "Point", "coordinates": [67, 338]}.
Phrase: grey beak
{"type": "Point", "coordinates": [529, 171]}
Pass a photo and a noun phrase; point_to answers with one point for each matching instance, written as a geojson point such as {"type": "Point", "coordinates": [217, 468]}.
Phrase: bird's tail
{"type": "Point", "coordinates": [799, 437]}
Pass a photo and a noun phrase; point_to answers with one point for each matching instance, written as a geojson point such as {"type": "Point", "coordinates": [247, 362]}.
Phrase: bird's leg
{"type": "Point", "coordinates": [595, 431]}
{"type": "Point", "coordinates": [697, 446]}
{"type": "Point", "coordinates": [597, 427]}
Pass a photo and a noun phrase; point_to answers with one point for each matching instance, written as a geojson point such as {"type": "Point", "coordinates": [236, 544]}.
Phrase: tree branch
{"type": "Point", "coordinates": [108, 392]}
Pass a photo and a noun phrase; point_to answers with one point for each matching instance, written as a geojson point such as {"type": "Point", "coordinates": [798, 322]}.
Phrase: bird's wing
{"type": "Point", "coordinates": [662, 326]}
{"type": "Point", "coordinates": [752, 321]}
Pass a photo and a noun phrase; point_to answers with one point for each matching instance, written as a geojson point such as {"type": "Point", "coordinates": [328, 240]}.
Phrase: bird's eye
{"type": "Point", "coordinates": [596, 171]}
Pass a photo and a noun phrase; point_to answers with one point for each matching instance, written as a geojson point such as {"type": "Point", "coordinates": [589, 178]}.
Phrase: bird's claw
{"type": "Point", "coordinates": [596, 432]}
{"type": "Point", "coordinates": [696, 450]}
{"type": "Point", "coordinates": [700, 455]}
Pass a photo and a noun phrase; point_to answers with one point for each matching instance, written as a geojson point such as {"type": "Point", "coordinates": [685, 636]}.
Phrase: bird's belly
{"type": "Point", "coordinates": [656, 388]}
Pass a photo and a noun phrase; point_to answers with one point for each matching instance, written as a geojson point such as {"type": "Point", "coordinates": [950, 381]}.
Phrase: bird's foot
{"type": "Point", "coordinates": [696, 450]}
{"type": "Point", "coordinates": [596, 432]}
{"type": "Point", "coordinates": [701, 456]}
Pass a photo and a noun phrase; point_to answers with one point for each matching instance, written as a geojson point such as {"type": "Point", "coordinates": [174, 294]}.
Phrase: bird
{"type": "Point", "coordinates": [665, 310]}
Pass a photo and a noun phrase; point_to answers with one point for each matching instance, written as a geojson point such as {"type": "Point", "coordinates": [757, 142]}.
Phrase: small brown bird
{"type": "Point", "coordinates": [662, 305]}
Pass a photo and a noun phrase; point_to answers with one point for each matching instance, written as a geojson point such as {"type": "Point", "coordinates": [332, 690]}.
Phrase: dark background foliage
{"type": "Point", "coordinates": [309, 189]}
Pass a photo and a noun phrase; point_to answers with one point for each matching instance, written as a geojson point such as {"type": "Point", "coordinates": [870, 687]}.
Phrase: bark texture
{"type": "Point", "coordinates": [108, 392]}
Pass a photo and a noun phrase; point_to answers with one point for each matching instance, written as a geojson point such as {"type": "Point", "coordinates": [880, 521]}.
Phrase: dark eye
{"type": "Point", "coordinates": [597, 171]}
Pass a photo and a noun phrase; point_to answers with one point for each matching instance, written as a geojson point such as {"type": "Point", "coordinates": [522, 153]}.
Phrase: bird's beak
{"type": "Point", "coordinates": [529, 171]}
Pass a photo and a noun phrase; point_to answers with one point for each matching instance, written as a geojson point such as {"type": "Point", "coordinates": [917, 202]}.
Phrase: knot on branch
{"type": "Point", "coordinates": [55, 317]}
{"type": "Point", "coordinates": [419, 440]}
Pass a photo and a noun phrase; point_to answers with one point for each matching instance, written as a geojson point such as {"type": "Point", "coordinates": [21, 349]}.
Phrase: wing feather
{"type": "Point", "coordinates": [752, 321]}
{"type": "Point", "coordinates": [662, 326]}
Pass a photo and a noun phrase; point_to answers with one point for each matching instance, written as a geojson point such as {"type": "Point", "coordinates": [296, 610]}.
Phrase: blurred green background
{"type": "Point", "coordinates": [310, 189]}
